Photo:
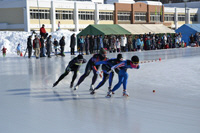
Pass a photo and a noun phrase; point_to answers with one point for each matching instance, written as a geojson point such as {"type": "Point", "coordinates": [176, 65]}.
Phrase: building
{"type": "Point", "coordinates": [27, 15]}
{"type": "Point", "coordinates": [171, 1]}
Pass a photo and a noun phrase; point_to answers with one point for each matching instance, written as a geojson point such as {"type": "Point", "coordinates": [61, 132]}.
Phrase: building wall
{"type": "Point", "coordinates": [11, 15]}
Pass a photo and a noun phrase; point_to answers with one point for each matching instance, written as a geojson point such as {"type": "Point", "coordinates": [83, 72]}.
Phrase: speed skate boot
{"type": "Point", "coordinates": [109, 88]}
{"type": "Point", "coordinates": [109, 94]}
{"type": "Point", "coordinates": [76, 87]}
{"type": "Point", "coordinates": [92, 92]}
{"type": "Point", "coordinates": [125, 93]}
{"type": "Point", "coordinates": [71, 85]}
{"type": "Point", "coordinates": [91, 88]}
{"type": "Point", "coordinates": [55, 84]}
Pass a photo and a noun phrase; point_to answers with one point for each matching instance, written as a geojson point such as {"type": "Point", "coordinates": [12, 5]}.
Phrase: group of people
{"type": "Point", "coordinates": [109, 66]}
{"type": "Point", "coordinates": [43, 45]}
{"type": "Point", "coordinates": [116, 43]}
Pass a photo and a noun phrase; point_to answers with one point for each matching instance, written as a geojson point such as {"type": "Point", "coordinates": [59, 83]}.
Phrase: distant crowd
{"type": "Point", "coordinates": [116, 43]}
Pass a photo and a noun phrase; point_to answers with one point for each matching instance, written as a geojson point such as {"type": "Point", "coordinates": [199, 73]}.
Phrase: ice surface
{"type": "Point", "coordinates": [28, 104]}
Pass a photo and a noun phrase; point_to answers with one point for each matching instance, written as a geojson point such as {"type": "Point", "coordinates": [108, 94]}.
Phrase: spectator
{"type": "Point", "coordinates": [105, 43]}
{"type": "Point", "coordinates": [4, 51]}
{"type": "Point", "coordinates": [29, 46]}
{"type": "Point", "coordinates": [192, 43]}
{"type": "Point", "coordinates": [43, 32]}
{"type": "Point", "coordinates": [134, 43]}
{"type": "Point", "coordinates": [81, 41]}
{"type": "Point", "coordinates": [58, 25]}
{"type": "Point", "coordinates": [91, 47]}
{"type": "Point", "coordinates": [72, 43]}
{"type": "Point", "coordinates": [118, 44]}
{"type": "Point", "coordinates": [42, 49]}
{"type": "Point", "coordinates": [138, 42]}
{"type": "Point", "coordinates": [87, 44]}
{"type": "Point", "coordinates": [37, 46]}
{"type": "Point", "coordinates": [123, 43]}
{"type": "Point", "coordinates": [18, 49]}
{"type": "Point", "coordinates": [62, 45]}
{"type": "Point", "coordinates": [130, 47]}
{"type": "Point", "coordinates": [49, 46]}
{"type": "Point", "coordinates": [100, 42]}
{"type": "Point", "coordinates": [142, 44]}
{"type": "Point", "coordinates": [56, 45]}
{"type": "Point", "coordinates": [197, 38]}
{"type": "Point", "coordinates": [148, 43]}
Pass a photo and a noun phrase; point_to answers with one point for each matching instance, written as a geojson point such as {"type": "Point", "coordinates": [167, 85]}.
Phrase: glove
{"type": "Point", "coordinates": [97, 72]}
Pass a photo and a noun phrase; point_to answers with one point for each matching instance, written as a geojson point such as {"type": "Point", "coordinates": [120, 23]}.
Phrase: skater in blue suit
{"type": "Point", "coordinates": [107, 73]}
{"type": "Point", "coordinates": [123, 75]}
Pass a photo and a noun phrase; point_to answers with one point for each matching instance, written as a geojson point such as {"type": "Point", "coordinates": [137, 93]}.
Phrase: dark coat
{"type": "Point", "coordinates": [62, 42]}
{"type": "Point", "coordinates": [29, 44]}
{"type": "Point", "coordinates": [73, 41]}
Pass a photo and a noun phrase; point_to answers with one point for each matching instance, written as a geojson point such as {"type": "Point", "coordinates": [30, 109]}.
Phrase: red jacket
{"type": "Point", "coordinates": [42, 30]}
{"type": "Point", "coordinates": [34, 43]}
{"type": "Point", "coordinates": [4, 50]}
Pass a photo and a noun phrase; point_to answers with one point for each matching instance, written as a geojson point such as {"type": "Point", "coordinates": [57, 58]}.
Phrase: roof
{"type": "Point", "coordinates": [104, 29]}
{"type": "Point", "coordinates": [146, 28]}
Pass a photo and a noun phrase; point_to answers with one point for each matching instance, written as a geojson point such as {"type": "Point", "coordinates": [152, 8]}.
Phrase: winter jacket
{"type": "Point", "coordinates": [36, 43]}
{"type": "Point", "coordinates": [73, 41]}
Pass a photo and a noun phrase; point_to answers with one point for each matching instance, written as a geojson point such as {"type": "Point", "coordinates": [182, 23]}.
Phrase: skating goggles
{"type": "Point", "coordinates": [135, 62]}
{"type": "Point", "coordinates": [80, 60]}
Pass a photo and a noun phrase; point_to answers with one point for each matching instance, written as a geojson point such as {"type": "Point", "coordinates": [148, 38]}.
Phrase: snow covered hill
{"type": "Point", "coordinates": [10, 39]}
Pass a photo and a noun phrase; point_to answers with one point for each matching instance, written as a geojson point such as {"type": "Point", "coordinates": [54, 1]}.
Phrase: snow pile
{"type": "Point", "coordinates": [10, 39]}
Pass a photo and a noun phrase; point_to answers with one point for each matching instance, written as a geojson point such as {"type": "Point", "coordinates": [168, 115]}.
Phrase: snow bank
{"type": "Point", "coordinates": [10, 39]}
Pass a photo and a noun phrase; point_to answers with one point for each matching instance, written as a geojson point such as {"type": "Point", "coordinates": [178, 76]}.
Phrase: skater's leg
{"type": "Point", "coordinates": [125, 81]}
{"type": "Point", "coordinates": [95, 76]}
{"type": "Point", "coordinates": [74, 76]}
{"type": "Point", "coordinates": [61, 77]}
{"type": "Point", "coordinates": [111, 79]}
{"type": "Point", "coordinates": [121, 78]}
{"type": "Point", "coordinates": [105, 78]}
{"type": "Point", "coordinates": [87, 72]}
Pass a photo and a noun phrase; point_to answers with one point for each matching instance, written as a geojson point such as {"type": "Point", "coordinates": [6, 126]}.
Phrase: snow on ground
{"type": "Point", "coordinates": [10, 39]}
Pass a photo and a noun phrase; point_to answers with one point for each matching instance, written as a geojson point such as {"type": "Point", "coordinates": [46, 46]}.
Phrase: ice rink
{"type": "Point", "coordinates": [29, 104]}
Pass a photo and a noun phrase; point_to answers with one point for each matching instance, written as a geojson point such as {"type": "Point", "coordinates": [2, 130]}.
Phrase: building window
{"type": "Point", "coordinates": [86, 15]}
{"type": "Point", "coordinates": [169, 17]}
{"type": "Point", "coordinates": [106, 16]}
{"type": "Point", "coordinates": [181, 17]}
{"type": "Point", "coordinates": [155, 17]}
{"type": "Point", "coordinates": [140, 16]}
{"type": "Point", "coordinates": [39, 14]}
{"type": "Point", "coordinates": [66, 15]}
{"type": "Point", "coordinates": [124, 16]}
{"type": "Point", "coordinates": [193, 17]}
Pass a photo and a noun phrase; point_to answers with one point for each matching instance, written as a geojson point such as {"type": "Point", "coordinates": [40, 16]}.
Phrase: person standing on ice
{"type": "Point", "coordinates": [62, 45]}
{"type": "Point", "coordinates": [74, 65]}
{"type": "Point", "coordinates": [4, 51]}
{"type": "Point", "coordinates": [29, 46]}
{"type": "Point", "coordinates": [107, 72]}
{"type": "Point", "coordinates": [18, 49]}
{"type": "Point", "coordinates": [73, 43]}
{"type": "Point", "coordinates": [37, 46]}
{"type": "Point", "coordinates": [49, 46]}
{"type": "Point", "coordinates": [91, 66]}
{"type": "Point", "coordinates": [123, 75]}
